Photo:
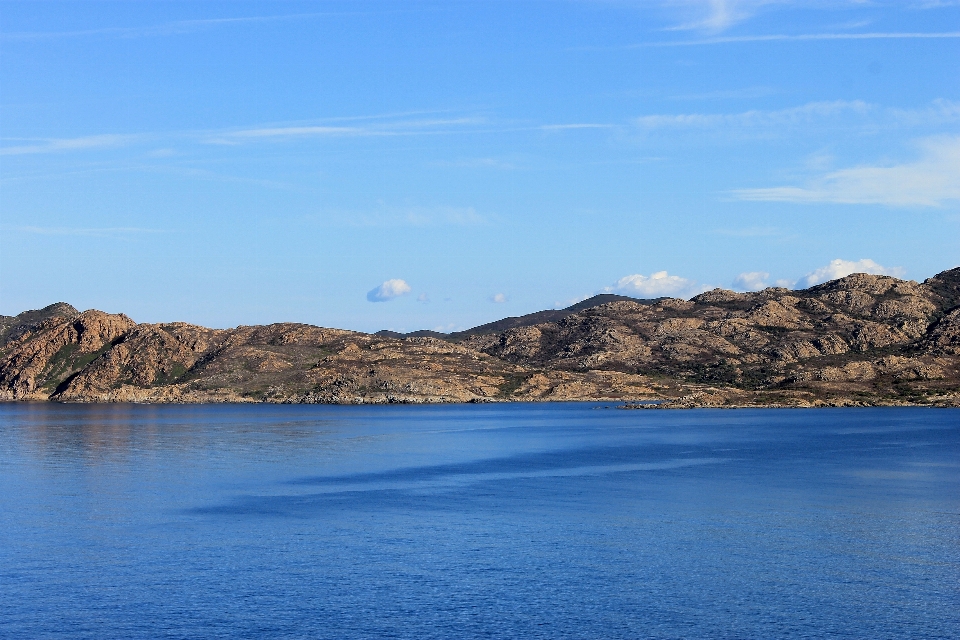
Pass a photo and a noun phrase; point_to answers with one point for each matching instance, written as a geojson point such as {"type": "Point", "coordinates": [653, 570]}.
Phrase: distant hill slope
{"type": "Point", "coordinates": [862, 339]}
{"type": "Point", "coordinates": [530, 319]}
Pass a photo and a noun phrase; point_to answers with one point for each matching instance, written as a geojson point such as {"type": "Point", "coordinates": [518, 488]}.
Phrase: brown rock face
{"type": "Point", "coordinates": [12, 327]}
{"type": "Point", "coordinates": [41, 359]}
{"type": "Point", "coordinates": [944, 336]}
{"type": "Point", "coordinates": [146, 356]}
{"type": "Point", "coordinates": [858, 340]}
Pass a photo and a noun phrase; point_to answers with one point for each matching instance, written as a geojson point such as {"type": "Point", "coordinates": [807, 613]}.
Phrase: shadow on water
{"type": "Point", "coordinates": [436, 487]}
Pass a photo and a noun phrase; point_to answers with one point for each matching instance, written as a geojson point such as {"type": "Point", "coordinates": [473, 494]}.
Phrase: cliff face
{"type": "Point", "coordinates": [858, 340]}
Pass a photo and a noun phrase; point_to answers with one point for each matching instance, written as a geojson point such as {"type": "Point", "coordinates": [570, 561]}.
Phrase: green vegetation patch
{"type": "Point", "coordinates": [511, 383]}
{"type": "Point", "coordinates": [176, 372]}
{"type": "Point", "coordinates": [59, 366]}
{"type": "Point", "coordinates": [715, 373]}
{"type": "Point", "coordinates": [66, 362]}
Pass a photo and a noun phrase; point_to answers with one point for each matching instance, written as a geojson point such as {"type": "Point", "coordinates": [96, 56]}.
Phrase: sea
{"type": "Point", "coordinates": [542, 520]}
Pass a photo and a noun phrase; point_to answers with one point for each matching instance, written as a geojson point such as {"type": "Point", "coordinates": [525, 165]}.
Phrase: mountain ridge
{"type": "Point", "coordinates": [861, 339]}
{"type": "Point", "coordinates": [526, 320]}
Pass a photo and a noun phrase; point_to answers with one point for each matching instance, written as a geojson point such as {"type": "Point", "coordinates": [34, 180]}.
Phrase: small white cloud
{"type": "Point", "coordinates": [655, 285]}
{"type": "Point", "coordinates": [423, 297]}
{"type": "Point", "coordinates": [751, 281]}
{"type": "Point", "coordinates": [498, 298]}
{"type": "Point", "coordinates": [388, 290]}
{"type": "Point", "coordinates": [931, 181]}
{"type": "Point", "coordinates": [839, 268]}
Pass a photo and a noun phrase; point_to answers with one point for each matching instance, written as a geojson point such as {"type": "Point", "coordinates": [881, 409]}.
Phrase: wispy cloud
{"type": "Point", "coordinates": [753, 118]}
{"type": "Point", "coordinates": [374, 126]}
{"type": "Point", "coordinates": [716, 15]}
{"type": "Point", "coordinates": [930, 181]}
{"type": "Point", "coordinates": [865, 116]}
{"type": "Point", "coordinates": [177, 27]}
{"type": "Point", "coordinates": [101, 232]}
{"type": "Point", "coordinates": [939, 111]}
{"type": "Point", "coordinates": [388, 128]}
{"type": "Point", "coordinates": [294, 132]}
{"type": "Point", "coordinates": [57, 145]}
{"type": "Point", "coordinates": [800, 37]}
{"type": "Point", "coordinates": [566, 127]}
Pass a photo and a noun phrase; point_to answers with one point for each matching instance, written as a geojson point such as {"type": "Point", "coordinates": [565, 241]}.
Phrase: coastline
{"type": "Point", "coordinates": [861, 340]}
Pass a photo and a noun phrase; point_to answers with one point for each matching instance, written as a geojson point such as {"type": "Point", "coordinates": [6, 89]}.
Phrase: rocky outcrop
{"type": "Point", "coordinates": [47, 355]}
{"type": "Point", "coordinates": [12, 327]}
{"type": "Point", "coordinates": [858, 340]}
{"type": "Point", "coordinates": [944, 336]}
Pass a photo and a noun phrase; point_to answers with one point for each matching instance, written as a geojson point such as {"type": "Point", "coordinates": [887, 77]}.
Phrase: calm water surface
{"type": "Point", "coordinates": [489, 521]}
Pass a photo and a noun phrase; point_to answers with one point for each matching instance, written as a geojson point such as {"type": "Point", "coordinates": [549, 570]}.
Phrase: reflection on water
{"type": "Point", "coordinates": [477, 521]}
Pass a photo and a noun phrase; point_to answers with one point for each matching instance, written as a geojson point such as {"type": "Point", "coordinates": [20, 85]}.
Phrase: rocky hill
{"type": "Point", "coordinates": [12, 327]}
{"type": "Point", "coordinates": [859, 340]}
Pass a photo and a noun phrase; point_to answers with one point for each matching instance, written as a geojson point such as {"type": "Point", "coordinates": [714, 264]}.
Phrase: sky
{"type": "Point", "coordinates": [438, 165]}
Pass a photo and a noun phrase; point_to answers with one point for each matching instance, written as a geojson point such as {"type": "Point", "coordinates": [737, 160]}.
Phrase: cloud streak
{"type": "Point", "coordinates": [99, 232]}
{"type": "Point", "coordinates": [801, 37]}
{"type": "Point", "coordinates": [754, 118]}
{"type": "Point", "coordinates": [718, 15]}
{"type": "Point", "coordinates": [400, 127]}
{"type": "Point", "coordinates": [568, 127]}
{"type": "Point", "coordinates": [295, 132]}
{"type": "Point", "coordinates": [57, 145]}
{"type": "Point", "coordinates": [930, 181]}
{"type": "Point", "coordinates": [178, 27]}
{"type": "Point", "coordinates": [392, 128]}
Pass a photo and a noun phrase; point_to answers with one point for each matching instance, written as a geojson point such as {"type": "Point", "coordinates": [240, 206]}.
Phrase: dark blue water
{"type": "Point", "coordinates": [487, 521]}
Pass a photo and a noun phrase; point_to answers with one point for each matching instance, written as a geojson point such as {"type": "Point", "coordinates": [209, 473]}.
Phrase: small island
{"type": "Point", "coordinates": [861, 340]}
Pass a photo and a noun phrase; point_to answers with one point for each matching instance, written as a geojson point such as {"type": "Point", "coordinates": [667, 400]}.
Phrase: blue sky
{"type": "Point", "coordinates": [438, 165]}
